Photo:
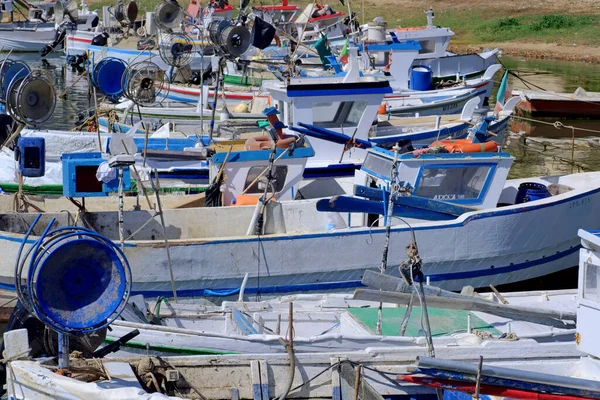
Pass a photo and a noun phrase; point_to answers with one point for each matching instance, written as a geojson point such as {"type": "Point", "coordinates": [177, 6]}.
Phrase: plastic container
{"type": "Point", "coordinates": [32, 156]}
{"type": "Point", "coordinates": [531, 191]}
{"type": "Point", "coordinates": [420, 77]}
{"type": "Point", "coordinates": [376, 31]}
{"type": "Point", "coordinates": [330, 222]}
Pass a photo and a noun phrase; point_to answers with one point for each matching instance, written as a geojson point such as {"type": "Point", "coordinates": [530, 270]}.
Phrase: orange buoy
{"type": "Point", "coordinates": [382, 109]}
{"type": "Point", "coordinates": [466, 146]}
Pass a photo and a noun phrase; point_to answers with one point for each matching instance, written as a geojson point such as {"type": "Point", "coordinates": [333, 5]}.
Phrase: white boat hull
{"type": "Point", "coordinates": [494, 246]}
{"type": "Point", "coordinates": [26, 40]}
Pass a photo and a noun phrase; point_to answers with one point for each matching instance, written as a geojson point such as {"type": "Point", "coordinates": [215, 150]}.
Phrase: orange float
{"type": "Point", "coordinates": [466, 146]}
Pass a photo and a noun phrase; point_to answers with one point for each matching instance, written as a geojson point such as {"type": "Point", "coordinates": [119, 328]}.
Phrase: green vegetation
{"type": "Point", "coordinates": [479, 24]}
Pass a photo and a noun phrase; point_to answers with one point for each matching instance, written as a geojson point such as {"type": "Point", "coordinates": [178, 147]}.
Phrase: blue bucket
{"type": "Point", "coordinates": [108, 76]}
{"type": "Point", "coordinates": [531, 191]}
{"type": "Point", "coordinates": [420, 77]}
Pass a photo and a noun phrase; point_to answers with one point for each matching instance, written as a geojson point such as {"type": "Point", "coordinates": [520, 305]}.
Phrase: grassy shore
{"type": "Point", "coordinates": [568, 29]}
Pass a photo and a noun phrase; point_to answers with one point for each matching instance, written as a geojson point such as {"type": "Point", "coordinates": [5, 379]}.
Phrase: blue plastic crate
{"type": "Point", "coordinates": [32, 156]}
{"type": "Point", "coordinates": [79, 176]}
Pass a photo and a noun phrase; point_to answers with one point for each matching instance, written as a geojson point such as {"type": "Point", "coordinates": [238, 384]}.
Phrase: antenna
{"type": "Point", "coordinates": [145, 83]}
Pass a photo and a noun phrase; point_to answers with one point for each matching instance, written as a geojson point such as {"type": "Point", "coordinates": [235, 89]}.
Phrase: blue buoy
{"type": "Point", "coordinates": [32, 156]}
{"type": "Point", "coordinates": [531, 191]}
{"type": "Point", "coordinates": [108, 76]}
{"type": "Point", "coordinates": [420, 77]}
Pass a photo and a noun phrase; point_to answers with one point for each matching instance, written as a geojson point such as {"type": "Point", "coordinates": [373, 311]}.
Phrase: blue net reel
{"type": "Point", "coordinates": [145, 83]}
{"type": "Point", "coordinates": [30, 99]}
{"type": "Point", "coordinates": [73, 279]}
{"type": "Point", "coordinates": [107, 77]}
{"type": "Point", "coordinates": [11, 71]}
{"type": "Point", "coordinates": [175, 49]}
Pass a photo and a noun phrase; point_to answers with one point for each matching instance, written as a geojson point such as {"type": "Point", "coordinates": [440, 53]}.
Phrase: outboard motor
{"type": "Point", "coordinates": [59, 38]}
{"type": "Point", "coordinates": [100, 40]}
{"type": "Point", "coordinates": [77, 62]}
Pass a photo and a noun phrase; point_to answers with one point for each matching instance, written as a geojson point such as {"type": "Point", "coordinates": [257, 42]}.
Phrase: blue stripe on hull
{"type": "Point", "coordinates": [349, 284]}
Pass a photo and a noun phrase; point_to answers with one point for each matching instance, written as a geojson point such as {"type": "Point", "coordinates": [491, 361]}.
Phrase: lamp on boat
{"type": "Point", "coordinates": [73, 279]}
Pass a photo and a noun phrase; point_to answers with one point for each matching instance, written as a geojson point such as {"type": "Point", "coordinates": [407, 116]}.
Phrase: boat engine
{"type": "Point", "coordinates": [59, 38]}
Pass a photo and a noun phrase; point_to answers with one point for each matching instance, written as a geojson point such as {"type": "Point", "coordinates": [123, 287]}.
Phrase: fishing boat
{"type": "Point", "coordinates": [579, 104]}
{"type": "Point", "coordinates": [423, 131]}
{"type": "Point", "coordinates": [433, 40]}
{"type": "Point", "coordinates": [511, 365]}
{"type": "Point", "coordinates": [38, 31]}
{"type": "Point", "coordinates": [335, 322]}
{"type": "Point", "coordinates": [458, 200]}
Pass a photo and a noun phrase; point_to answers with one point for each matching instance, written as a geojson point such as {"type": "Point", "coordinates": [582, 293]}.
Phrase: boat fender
{"type": "Point", "coordinates": [466, 146]}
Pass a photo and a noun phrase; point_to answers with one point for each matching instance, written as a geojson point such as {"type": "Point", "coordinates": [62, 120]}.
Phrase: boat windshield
{"type": "Point", "coordinates": [591, 289]}
{"type": "Point", "coordinates": [279, 175]}
{"type": "Point", "coordinates": [453, 183]}
{"type": "Point", "coordinates": [338, 113]}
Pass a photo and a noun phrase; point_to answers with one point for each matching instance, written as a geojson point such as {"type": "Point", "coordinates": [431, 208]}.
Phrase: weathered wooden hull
{"type": "Point", "coordinates": [567, 108]}
{"type": "Point", "coordinates": [265, 376]}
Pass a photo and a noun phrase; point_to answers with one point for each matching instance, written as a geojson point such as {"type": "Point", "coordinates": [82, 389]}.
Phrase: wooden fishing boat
{"type": "Point", "coordinates": [540, 366]}
{"type": "Point", "coordinates": [579, 104]}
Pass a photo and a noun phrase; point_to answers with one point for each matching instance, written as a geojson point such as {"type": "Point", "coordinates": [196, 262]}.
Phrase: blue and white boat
{"type": "Point", "coordinates": [471, 224]}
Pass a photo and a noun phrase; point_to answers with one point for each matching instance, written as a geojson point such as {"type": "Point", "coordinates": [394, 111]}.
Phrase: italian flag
{"type": "Point", "coordinates": [344, 54]}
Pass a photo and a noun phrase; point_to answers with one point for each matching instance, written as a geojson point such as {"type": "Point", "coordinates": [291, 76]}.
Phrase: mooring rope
{"type": "Point", "coordinates": [557, 124]}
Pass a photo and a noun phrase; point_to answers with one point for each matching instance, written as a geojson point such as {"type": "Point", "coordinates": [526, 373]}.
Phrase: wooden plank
{"type": "Point", "coordinates": [256, 384]}
{"type": "Point", "coordinates": [549, 317]}
{"type": "Point", "coordinates": [264, 379]}
{"type": "Point", "coordinates": [377, 280]}
{"type": "Point", "coordinates": [348, 381]}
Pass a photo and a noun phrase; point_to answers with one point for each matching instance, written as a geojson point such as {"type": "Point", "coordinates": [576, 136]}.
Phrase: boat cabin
{"type": "Point", "coordinates": [440, 186]}
{"type": "Point", "coordinates": [246, 170]}
{"type": "Point", "coordinates": [433, 40]}
{"type": "Point", "coordinates": [346, 105]}
{"type": "Point", "coordinates": [473, 179]}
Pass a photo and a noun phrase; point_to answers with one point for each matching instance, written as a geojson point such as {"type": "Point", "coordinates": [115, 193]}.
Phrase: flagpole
{"type": "Point", "coordinates": [363, 12]}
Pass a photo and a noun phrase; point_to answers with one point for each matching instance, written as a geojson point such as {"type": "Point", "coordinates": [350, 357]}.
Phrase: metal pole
{"type": "Point", "coordinates": [156, 188]}
{"type": "Point", "coordinates": [121, 221]}
{"type": "Point", "coordinates": [478, 383]}
{"type": "Point", "coordinates": [216, 95]}
{"type": "Point", "coordinates": [63, 350]}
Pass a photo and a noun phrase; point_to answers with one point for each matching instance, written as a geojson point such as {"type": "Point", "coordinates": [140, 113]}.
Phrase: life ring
{"type": "Point", "coordinates": [466, 146]}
